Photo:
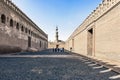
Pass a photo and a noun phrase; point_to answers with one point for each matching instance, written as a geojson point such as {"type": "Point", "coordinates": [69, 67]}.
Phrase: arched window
{"type": "Point", "coordinates": [3, 18]}
{"type": "Point", "coordinates": [26, 30]}
{"type": "Point", "coordinates": [22, 28]}
{"type": "Point", "coordinates": [44, 45]}
{"type": "Point", "coordinates": [29, 31]}
{"type": "Point", "coordinates": [11, 22]}
{"type": "Point", "coordinates": [17, 26]}
{"type": "Point", "coordinates": [40, 44]}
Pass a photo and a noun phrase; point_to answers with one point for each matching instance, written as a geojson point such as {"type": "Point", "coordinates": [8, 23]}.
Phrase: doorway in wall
{"type": "Point", "coordinates": [29, 41]}
{"type": "Point", "coordinates": [72, 44]}
{"type": "Point", "coordinates": [57, 46]}
{"type": "Point", "coordinates": [90, 42]}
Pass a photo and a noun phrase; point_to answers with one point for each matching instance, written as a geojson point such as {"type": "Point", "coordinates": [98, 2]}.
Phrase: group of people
{"type": "Point", "coordinates": [58, 49]}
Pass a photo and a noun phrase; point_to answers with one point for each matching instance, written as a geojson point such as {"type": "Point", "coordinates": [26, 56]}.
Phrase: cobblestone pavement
{"type": "Point", "coordinates": [50, 67]}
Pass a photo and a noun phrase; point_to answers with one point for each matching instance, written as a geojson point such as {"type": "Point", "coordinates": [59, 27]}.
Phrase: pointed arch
{"type": "Point", "coordinates": [17, 26]}
{"type": "Point", "coordinates": [11, 22]}
{"type": "Point", "coordinates": [3, 18]}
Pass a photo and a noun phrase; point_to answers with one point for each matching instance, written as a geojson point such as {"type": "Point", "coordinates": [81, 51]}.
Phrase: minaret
{"type": "Point", "coordinates": [56, 34]}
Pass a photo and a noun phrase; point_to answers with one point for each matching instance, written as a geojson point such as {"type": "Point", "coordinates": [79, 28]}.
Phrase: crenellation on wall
{"type": "Point", "coordinates": [98, 12]}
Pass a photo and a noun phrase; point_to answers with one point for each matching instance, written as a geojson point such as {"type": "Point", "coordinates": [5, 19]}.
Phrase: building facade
{"type": "Point", "coordinates": [18, 32]}
{"type": "Point", "coordinates": [99, 34]}
{"type": "Point", "coordinates": [57, 43]}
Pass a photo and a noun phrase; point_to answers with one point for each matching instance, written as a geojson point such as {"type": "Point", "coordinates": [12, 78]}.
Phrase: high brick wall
{"type": "Point", "coordinates": [99, 34]}
{"type": "Point", "coordinates": [80, 42]}
{"type": "Point", "coordinates": [16, 27]}
{"type": "Point", "coordinates": [107, 40]}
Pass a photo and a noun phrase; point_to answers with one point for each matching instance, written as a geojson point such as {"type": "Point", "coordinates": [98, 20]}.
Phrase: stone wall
{"type": "Point", "coordinates": [53, 44]}
{"type": "Point", "coordinates": [16, 27]}
{"type": "Point", "coordinates": [99, 34]}
{"type": "Point", "coordinates": [107, 34]}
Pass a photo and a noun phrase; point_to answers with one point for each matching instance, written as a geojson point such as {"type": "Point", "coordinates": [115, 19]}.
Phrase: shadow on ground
{"type": "Point", "coordinates": [49, 69]}
{"type": "Point", "coordinates": [52, 68]}
{"type": "Point", "coordinates": [45, 52]}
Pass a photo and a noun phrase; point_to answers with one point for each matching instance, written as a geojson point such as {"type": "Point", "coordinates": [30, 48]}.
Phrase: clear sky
{"type": "Point", "coordinates": [66, 14]}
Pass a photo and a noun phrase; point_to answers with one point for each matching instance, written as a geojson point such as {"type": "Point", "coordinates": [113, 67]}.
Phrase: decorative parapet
{"type": "Point", "coordinates": [105, 6]}
{"type": "Point", "coordinates": [16, 9]}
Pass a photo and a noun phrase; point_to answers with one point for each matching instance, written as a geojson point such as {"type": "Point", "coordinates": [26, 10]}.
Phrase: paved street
{"type": "Point", "coordinates": [48, 65]}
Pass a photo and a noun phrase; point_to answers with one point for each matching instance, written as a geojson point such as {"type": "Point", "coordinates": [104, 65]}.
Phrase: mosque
{"type": "Point", "coordinates": [57, 43]}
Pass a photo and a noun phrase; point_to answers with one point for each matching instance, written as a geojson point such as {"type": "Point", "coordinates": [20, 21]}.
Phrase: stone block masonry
{"type": "Point", "coordinates": [18, 32]}
{"type": "Point", "coordinates": [99, 34]}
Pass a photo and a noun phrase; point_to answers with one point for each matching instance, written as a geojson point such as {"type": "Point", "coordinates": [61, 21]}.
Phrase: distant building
{"type": "Point", "coordinates": [18, 32]}
{"type": "Point", "coordinates": [57, 43]}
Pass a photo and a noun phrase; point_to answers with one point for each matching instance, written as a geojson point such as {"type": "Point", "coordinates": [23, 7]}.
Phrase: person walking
{"type": "Point", "coordinates": [53, 50]}
{"type": "Point", "coordinates": [62, 49]}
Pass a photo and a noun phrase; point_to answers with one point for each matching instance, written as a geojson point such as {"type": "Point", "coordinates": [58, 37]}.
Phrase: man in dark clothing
{"type": "Point", "coordinates": [62, 49]}
{"type": "Point", "coordinates": [53, 50]}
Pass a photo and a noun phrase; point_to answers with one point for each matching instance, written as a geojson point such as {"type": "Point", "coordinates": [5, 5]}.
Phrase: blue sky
{"type": "Point", "coordinates": [66, 14]}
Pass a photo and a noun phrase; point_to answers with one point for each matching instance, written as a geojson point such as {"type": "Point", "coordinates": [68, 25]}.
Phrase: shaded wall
{"type": "Point", "coordinates": [16, 27]}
